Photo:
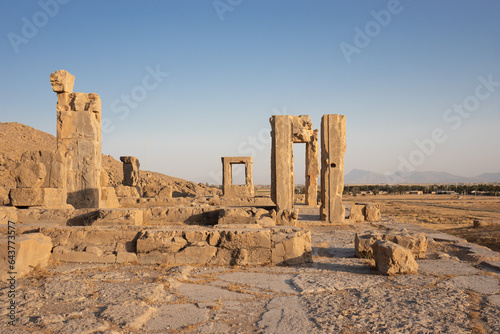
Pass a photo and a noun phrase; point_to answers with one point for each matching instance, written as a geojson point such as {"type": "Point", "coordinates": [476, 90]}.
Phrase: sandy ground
{"type": "Point", "coordinates": [457, 290]}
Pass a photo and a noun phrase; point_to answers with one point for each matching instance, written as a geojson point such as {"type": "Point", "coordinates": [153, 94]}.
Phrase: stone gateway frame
{"type": "Point", "coordinates": [233, 190]}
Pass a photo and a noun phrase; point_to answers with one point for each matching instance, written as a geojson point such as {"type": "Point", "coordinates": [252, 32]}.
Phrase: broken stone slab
{"type": "Point", "coordinates": [108, 198]}
{"type": "Point", "coordinates": [32, 250]}
{"type": "Point", "coordinates": [166, 192]}
{"type": "Point", "coordinates": [195, 254]}
{"type": "Point", "coordinates": [8, 214]}
{"type": "Point", "coordinates": [357, 214]}
{"type": "Point", "coordinates": [241, 215]}
{"type": "Point", "coordinates": [372, 212]}
{"type": "Point", "coordinates": [391, 258]}
{"type": "Point", "coordinates": [30, 174]}
{"type": "Point", "coordinates": [66, 254]}
{"type": "Point", "coordinates": [109, 240]}
{"type": "Point", "coordinates": [46, 197]}
{"type": "Point", "coordinates": [126, 191]}
{"type": "Point", "coordinates": [4, 196]}
{"type": "Point", "coordinates": [365, 212]}
{"type": "Point", "coordinates": [119, 217]}
{"type": "Point", "coordinates": [415, 242]}
{"type": "Point", "coordinates": [184, 214]}
{"type": "Point", "coordinates": [55, 166]}
{"type": "Point", "coordinates": [62, 81]}
{"type": "Point", "coordinates": [291, 247]}
{"type": "Point", "coordinates": [126, 257]}
{"type": "Point", "coordinates": [130, 170]}
{"type": "Point", "coordinates": [288, 217]}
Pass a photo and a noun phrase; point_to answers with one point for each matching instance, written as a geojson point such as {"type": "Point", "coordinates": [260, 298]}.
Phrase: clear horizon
{"type": "Point", "coordinates": [183, 84]}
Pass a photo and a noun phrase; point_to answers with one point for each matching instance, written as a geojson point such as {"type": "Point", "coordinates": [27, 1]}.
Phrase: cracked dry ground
{"type": "Point", "coordinates": [336, 294]}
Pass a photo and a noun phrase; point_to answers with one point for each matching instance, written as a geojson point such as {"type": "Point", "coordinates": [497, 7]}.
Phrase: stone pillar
{"type": "Point", "coordinates": [312, 170]}
{"type": "Point", "coordinates": [282, 177]}
{"type": "Point", "coordinates": [130, 170]}
{"type": "Point", "coordinates": [79, 140]}
{"type": "Point", "coordinates": [333, 147]}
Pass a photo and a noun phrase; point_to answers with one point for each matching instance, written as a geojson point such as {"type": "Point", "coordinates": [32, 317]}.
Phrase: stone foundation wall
{"type": "Point", "coordinates": [189, 245]}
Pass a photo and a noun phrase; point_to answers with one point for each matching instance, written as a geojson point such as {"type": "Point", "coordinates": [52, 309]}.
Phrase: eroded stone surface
{"type": "Point", "coordinates": [391, 258]}
{"type": "Point", "coordinates": [285, 315]}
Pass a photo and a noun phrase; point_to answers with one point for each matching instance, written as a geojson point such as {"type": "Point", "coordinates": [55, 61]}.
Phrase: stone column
{"type": "Point", "coordinates": [282, 177]}
{"type": "Point", "coordinates": [130, 170]}
{"type": "Point", "coordinates": [312, 170]}
{"type": "Point", "coordinates": [79, 140]}
{"type": "Point", "coordinates": [333, 147]}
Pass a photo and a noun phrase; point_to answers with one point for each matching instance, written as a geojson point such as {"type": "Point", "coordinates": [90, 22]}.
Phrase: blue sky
{"type": "Point", "coordinates": [231, 64]}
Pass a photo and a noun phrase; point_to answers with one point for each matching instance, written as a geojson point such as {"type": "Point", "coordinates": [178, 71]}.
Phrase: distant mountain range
{"type": "Point", "coordinates": [357, 176]}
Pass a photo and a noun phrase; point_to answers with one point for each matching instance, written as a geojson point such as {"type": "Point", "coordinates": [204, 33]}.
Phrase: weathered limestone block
{"type": "Point", "coordinates": [79, 140]}
{"type": "Point", "coordinates": [291, 248]}
{"type": "Point", "coordinates": [104, 178]}
{"type": "Point", "coordinates": [62, 81]}
{"type": "Point", "coordinates": [415, 242]}
{"type": "Point", "coordinates": [363, 244]}
{"type": "Point", "coordinates": [8, 214]}
{"type": "Point", "coordinates": [372, 212]}
{"type": "Point", "coordinates": [109, 199]}
{"type": "Point", "coordinates": [66, 254]}
{"type": "Point", "coordinates": [119, 217]}
{"type": "Point", "coordinates": [163, 241]}
{"type": "Point", "coordinates": [47, 197]}
{"type": "Point", "coordinates": [4, 196]}
{"type": "Point", "coordinates": [30, 174]}
{"type": "Point", "coordinates": [32, 250]}
{"type": "Point", "coordinates": [162, 216]}
{"type": "Point", "coordinates": [333, 147]}
{"type": "Point", "coordinates": [391, 258]}
{"type": "Point", "coordinates": [241, 215]}
{"type": "Point", "coordinates": [126, 257]}
{"type": "Point", "coordinates": [125, 191]}
{"type": "Point", "coordinates": [166, 192]}
{"type": "Point", "coordinates": [289, 217]}
{"type": "Point", "coordinates": [55, 166]}
{"type": "Point", "coordinates": [302, 129]}
{"type": "Point", "coordinates": [357, 214]}
{"type": "Point", "coordinates": [237, 239]}
{"type": "Point", "coordinates": [130, 170]}
{"type": "Point", "coordinates": [196, 255]}
{"type": "Point", "coordinates": [80, 238]}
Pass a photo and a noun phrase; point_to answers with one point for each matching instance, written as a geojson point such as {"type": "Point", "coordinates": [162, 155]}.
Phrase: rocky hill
{"type": "Point", "coordinates": [16, 138]}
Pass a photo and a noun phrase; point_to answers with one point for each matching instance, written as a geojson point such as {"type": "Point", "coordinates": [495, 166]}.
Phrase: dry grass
{"type": "Point", "coordinates": [447, 213]}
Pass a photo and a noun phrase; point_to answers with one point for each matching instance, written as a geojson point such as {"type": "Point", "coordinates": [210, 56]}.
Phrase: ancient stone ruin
{"type": "Point", "coordinates": [230, 189]}
{"type": "Point", "coordinates": [138, 220]}
{"type": "Point", "coordinates": [79, 140]}
{"type": "Point", "coordinates": [130, 171]}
